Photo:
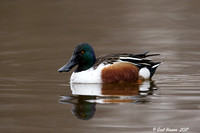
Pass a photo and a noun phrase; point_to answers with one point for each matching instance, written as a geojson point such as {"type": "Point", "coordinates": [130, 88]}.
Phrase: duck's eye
{"type": "Point", "coordinates": [82, 52]}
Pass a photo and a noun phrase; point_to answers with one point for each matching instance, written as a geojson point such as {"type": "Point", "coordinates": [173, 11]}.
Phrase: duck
{"type": "Point", "coordinates": [111, 68]}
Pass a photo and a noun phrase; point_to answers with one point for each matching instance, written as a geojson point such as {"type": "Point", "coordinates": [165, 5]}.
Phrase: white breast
{"type": "Point", "coordinates": [89, 76]}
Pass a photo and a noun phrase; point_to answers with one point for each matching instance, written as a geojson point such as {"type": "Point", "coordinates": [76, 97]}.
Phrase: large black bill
{"type": "Point", "coordinates": [66, 68]}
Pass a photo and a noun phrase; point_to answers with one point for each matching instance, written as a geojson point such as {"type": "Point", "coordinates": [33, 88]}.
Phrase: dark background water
{"type": "Point", "coordinates": [38, 37]}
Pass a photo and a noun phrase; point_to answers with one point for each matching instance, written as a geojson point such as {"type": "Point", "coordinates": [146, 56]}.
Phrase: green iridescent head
{"type": "Point", "coordinates": [83, 56]}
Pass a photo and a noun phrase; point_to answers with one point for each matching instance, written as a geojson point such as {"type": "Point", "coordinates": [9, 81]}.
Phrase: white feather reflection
{"type": "Point", "coordinates": [85, 96]}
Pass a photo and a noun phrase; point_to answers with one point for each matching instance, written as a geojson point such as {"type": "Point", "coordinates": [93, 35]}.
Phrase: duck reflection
{"type": "Point", "coordinates": [85, 96]}
{"type": "Point", "coordinates": [82, 108]}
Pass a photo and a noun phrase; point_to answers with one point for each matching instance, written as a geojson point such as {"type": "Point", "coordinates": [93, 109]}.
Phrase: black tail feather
{"type": "Point", "coordinates": [144, 55]}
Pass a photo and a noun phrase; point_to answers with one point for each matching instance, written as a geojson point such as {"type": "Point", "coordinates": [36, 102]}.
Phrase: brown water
{"type": "Point", "coordinates": [38, 37]}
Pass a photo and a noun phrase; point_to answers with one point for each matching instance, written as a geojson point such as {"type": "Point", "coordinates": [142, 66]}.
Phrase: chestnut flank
{"type": "Point", "coordinates": [120, 72]}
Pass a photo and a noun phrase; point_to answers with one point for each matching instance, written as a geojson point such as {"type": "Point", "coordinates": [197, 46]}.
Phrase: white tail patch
{"type": "Point", "coordinates": [156, 65]}
{"type": "Point", "coordinates": [144, 72]}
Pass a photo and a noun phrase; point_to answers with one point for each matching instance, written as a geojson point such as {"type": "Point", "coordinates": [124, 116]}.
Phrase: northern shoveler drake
{"type": "Point", "coordinates": [112, 68]}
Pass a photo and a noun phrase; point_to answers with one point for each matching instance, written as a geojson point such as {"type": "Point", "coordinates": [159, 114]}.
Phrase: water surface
{"type": "Point", "coordinates": [38, 37]}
